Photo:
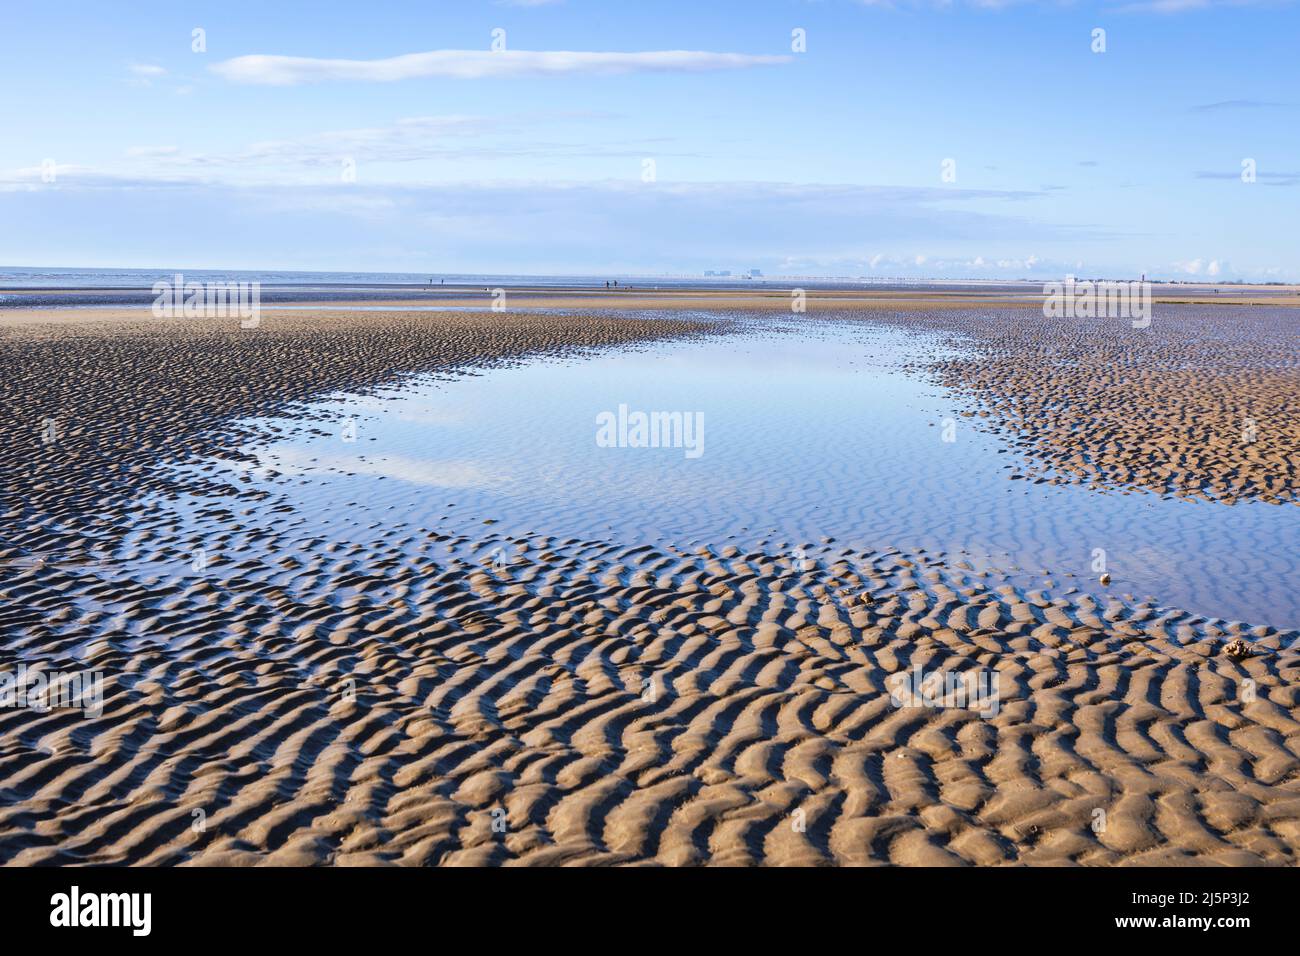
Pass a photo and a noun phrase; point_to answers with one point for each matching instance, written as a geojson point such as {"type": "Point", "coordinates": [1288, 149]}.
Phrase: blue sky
{"type": "Point", "coordinates": [390, 136]}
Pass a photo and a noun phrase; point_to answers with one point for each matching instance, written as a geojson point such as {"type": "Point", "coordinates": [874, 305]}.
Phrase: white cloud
{"type": "Point", "coordinates": [918, 265]}
{"type": "Point", "coordinates": [147, 69]}
{"type": "Point", "coordinates": [1201, 266]}
{"type": "Point", "coordinates": [476, 64]}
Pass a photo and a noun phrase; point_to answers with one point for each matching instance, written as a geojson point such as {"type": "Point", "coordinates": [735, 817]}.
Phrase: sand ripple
{"type": "Point", "coordinates": [604, 704]}
{"type": "Point", "coordinates": [326, 702]}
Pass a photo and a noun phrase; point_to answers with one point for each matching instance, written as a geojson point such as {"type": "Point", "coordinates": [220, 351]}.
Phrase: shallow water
{"type": "Point", "coordinates": [809, 432]}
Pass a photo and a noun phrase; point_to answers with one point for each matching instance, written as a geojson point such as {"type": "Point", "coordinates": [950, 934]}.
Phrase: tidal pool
{"type": "Point", "coordinates": [806, 432]}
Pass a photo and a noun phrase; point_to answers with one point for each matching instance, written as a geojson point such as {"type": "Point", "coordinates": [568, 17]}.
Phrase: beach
{"type": "Point", "coordinates": [351, 680]}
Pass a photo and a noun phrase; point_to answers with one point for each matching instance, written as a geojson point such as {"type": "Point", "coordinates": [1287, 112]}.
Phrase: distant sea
{"type": "Point", "coordinates": [13, 277]}
{"type": "Point", "coordinates": [105, 287]}
{"type": "Point", "coordinates": [66, 278]}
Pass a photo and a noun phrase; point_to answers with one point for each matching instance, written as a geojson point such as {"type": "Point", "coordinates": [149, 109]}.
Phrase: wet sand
{"type": "Point", "coordinates": [1205, 403]}
{"type": "Point", "coordinates": [319, 702]}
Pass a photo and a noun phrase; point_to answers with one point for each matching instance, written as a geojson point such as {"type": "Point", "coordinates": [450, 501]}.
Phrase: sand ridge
{"type": "Point", "coordinates": [121, 392]}
{"type": "Point", "coordinates": [1205, 403]}
{"type": "Point", "coordinates": [606, 705]}
{"type": "Point", "coordinates": [308, 699]}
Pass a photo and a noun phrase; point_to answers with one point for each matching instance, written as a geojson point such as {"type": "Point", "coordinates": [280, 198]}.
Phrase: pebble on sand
{"type": "Point", "coordinates": [1237, 649]}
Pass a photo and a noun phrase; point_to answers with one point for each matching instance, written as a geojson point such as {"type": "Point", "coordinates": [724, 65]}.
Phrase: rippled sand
{"type": "Point", "coordinates": [316, 700]}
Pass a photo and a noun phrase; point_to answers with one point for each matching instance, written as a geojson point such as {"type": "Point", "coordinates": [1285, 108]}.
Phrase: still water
{"type": "Point", "coordinates": [805, 433]}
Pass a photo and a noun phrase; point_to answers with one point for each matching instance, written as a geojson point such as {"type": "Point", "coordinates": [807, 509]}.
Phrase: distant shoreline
{"type": "Point", "coordinates": [763, 294]}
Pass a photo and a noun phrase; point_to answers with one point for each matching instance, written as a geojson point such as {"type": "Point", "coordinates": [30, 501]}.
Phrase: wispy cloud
{"type": "Point", "coordinates": [1224, 106]}
{"type": "Point", "coordinates": [409, 140]}
{"type": "Point", "coordinates": [945, 4]}
{"type": "Point", "coordinates": [558, 227]}
{"type": "Point", "coordinates": [478, 64]}
{"type": "Point", "coordinates": [1136, 6]}
{"type": "Point", "coordinates": [1267, 178]}
{"type": "Point", "coordinates": [1183, 6]}
{"type": "Point", "coordinates": [143, 74]}
{"type": "Point", "coordinates": [152, 151]}
{"type": "Point", "coordinates": [1164, 6]}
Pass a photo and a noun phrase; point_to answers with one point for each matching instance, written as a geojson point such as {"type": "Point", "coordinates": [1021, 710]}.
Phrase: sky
{"type": "Point", "coordinates": [989, 139]}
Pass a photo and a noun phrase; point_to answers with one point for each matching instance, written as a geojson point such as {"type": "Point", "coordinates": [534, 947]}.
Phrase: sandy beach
{"type": "Point", "coordinates": [311, 700]}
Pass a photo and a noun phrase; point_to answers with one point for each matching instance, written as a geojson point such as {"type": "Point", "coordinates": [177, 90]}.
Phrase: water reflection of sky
{"type": "Point", "coordinates": [814, 432]}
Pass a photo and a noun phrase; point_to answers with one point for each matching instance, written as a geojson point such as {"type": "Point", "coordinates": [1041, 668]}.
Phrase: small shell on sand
{"type": "Point", "coordinates": [1237, 649]}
